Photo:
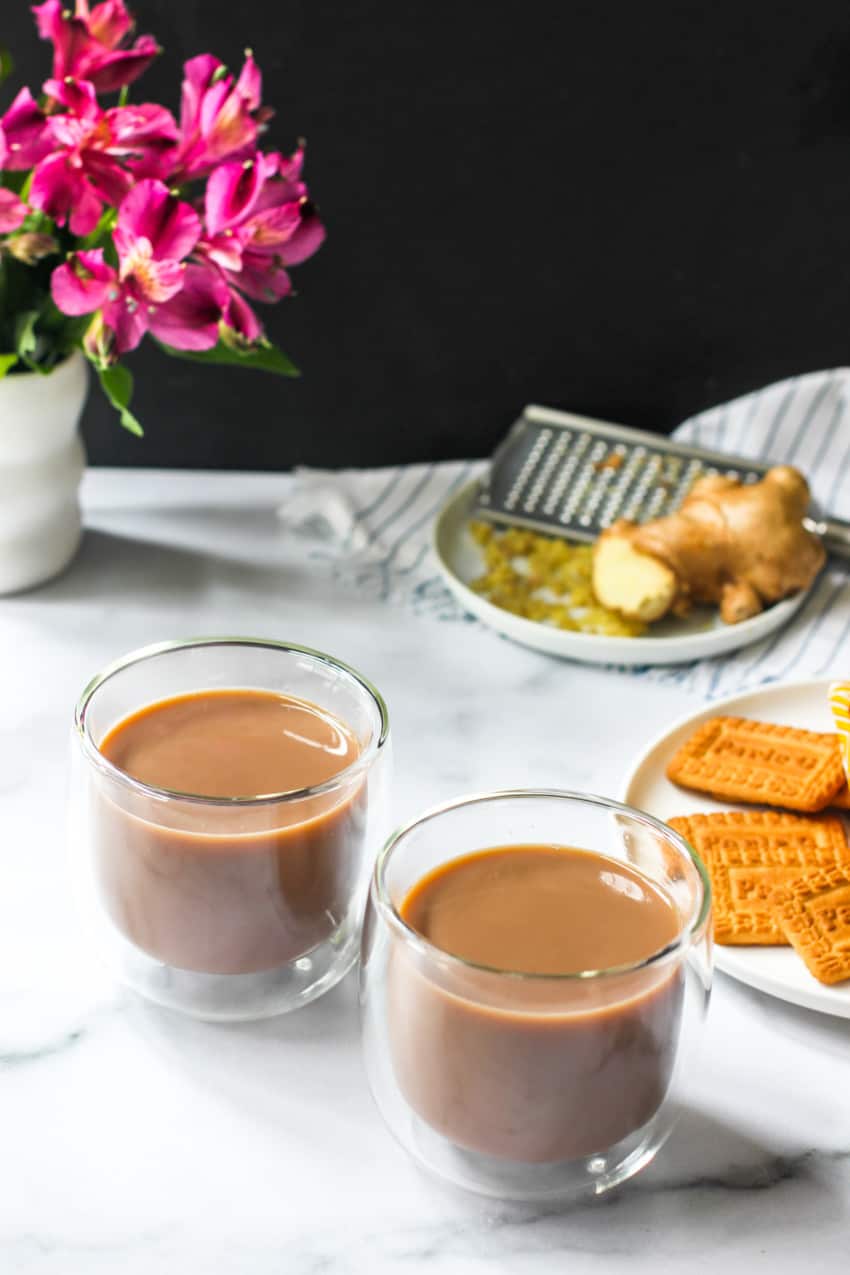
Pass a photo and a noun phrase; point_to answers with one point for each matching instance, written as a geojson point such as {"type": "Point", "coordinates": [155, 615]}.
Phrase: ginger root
{"type": "Point", "coordinates": [735, 545]}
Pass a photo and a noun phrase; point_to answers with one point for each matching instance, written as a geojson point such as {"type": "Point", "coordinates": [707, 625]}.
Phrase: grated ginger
{"type": "Point", "coordinates": [546, 579]}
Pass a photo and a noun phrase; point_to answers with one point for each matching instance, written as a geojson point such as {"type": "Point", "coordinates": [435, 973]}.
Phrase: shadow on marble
{"type": "Point", "coordinates": [122, 567]}
{"type": "Point", "coordinates": [261, 1064]}
{"type": "Point", "coordinates": [205, 517]}
{"type": "Point", "coordinates": [825, 1032]}
{"type": "Point", "coordinates": [707, 1171]}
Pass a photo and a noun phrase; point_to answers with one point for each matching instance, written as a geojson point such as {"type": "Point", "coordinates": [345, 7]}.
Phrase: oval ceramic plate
{"type": "Point", "coordinates": [775, 970]}
{"type": "Point", "coordinates": [669, 642]}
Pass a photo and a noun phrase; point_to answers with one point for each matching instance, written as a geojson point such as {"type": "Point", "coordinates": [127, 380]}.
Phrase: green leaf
{"type": "Point", "coordinates": [25, 337]}
{"type": "Point", "coordinates": [98, 237]}
{"type": "Point", "coordinates": [117, 384]}
{"type": "Point", "coordinates": [14, 181]}
{"type": "Point", "coordinates": [7, 362]}
{"type": "Point", "coordinates": [7, 64]}
{"type": "Point", "coordinates": [265, 358]}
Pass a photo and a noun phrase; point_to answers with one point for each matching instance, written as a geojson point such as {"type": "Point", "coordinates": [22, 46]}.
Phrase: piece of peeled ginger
{"type": "Point", "coordinates": [640, 587]}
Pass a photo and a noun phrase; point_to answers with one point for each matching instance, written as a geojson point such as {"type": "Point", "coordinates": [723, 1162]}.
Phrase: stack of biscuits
{"type": "Point", "coordinates": [779, 875]}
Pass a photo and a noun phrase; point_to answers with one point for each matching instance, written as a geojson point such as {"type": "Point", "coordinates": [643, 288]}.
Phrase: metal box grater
{"type": "Point", "coordinates": [573, 476]}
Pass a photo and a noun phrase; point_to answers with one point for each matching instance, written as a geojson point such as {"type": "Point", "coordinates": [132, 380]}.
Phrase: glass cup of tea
{"type": "Point", "coordinates": [227, 797]}
{"type": "Point", "coordinates": [535, 972]}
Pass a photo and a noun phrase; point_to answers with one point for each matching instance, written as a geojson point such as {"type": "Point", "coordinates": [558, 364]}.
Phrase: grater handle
{"type": "Point", "coordinates": [834, 533]}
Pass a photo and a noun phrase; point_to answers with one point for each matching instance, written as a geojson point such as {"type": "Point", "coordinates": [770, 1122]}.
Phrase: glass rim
{"type": "Point", "coordinates": [92, 753]}
{"type": "Point", "coordinates": [690, 929]}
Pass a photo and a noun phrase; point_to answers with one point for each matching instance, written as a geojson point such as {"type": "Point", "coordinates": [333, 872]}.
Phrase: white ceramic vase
{"type": "Point", "coordinates": [41, 466]}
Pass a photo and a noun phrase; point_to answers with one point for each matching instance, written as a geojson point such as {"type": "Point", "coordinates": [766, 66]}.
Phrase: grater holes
{"type": "Point", "coordinates": [528, 467]}
{"type": "Point", "coordinates": [564, 477]}
{"type": "Point", "coordinates": [649, 470]}
{"type": "Point", "coordinates": [612, 508]}
{"type": "Point", "coordinates": [577, 462]}
{"type": "Point", "coordinates": [691, 472]}
{"type": "Point", "coordinates": [546, 471]}
{"type": "Point", "coordinates": [656, 502]}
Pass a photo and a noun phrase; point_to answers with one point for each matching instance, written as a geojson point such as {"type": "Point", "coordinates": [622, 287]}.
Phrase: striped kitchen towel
{"type": "Point", "coordinates": [371, 528]}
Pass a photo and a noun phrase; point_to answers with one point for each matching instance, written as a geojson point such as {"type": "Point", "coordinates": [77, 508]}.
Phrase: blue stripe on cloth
{"type": "Point", "coordinates": [840, 475]}
{"type": "Point", "coordinates": [693, 432]}
{"type": "Point", "coordinates": [778, 417]}
{"type": "Point", "coordinates": [809, 416]}
{"type": "Point", "coordinates": [720, 666]}
{"type": "Point", "coordinates": [810, 636]}
{"type": "Point", "coordinates": [384, 564]}
{"type": "Point", "coordinates": [417, 562]}
{"type": "Point", "coordinates": [839, 641]}
{"type": "Point", "coordinates": [747, 420]}
{"type": "Point", "coordinates": [382, 495]}
{"type": "Point", "coordinates": [770, 644]}
{"type": "Point", "coordinates": [373, 506]}
{"type": "Point", "coordinates": [411, 498]}
{"type": "Point", "coordinates": [828, 436]}
{"type": "Point", "coordinates": [722, 426]}
{"type": "Point", "coordinates": [429, 513]}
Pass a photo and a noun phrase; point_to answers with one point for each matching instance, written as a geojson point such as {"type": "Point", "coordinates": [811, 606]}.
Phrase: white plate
{"type": "Point", "coordinates": [775, 970]}
{"type": "Point", "coordinates": [670, 641]}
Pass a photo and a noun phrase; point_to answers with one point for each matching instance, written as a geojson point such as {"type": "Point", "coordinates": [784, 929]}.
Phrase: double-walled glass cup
{"type": "Point", "coordinates": [531, 1086]}
{"type": "Point", "coordinates": [227, 908]}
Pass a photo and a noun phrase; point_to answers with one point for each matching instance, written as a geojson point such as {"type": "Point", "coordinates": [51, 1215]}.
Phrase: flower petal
{"type": "Point", "coordinates": [86, 43]}
{"type": "Point", "coordinates": [197, 76]}
{"type": "Point", "coordinates": [48, 17]}
{"type": "Point", "coordinates": [77, 96]}
{"type": "Point", "coordinates": [83, 283]}
{"type": "Point", "coordinates": [150, 212]}
{"type": "Point", "coordinates": [124, 66]}
{"type": "Point", "coordinates": [305, 240]}
{"type": "Point", "coordinates": [12, 211]}
{"type": "Point", "coordinates": [108, 23]}
{"type": "Point", "coordinates": [128, 320]}
{"type": "Point", "coordinates": [55, 187]}
{"type": "Point", "coordinates": [231, 193]}
{"type": "Point", "coordinates": [134, 129]}
{"type": "Point", "coordinates": [249, 86]}
{"type": "Point", "coordinates": [190, 320]}
{"type": "Point", "coordinates": [242, 318]}
{"type": "Point", "coordinates": [85, 213]}
{"type": "Point", "coordinates": [69, 36]}
{"type": "Point", "coordinates": [269, 229]}
{"type": "Point", "coordinates": [151, 281]}
{"type": "Point", "coordinates": [225, 250]}
{"type": "Point", "coordinates": [261, 277]}
{"type": "Point", "coordinates": [25, 131]}
{"type": "Point", "coordinates": [283, 180]}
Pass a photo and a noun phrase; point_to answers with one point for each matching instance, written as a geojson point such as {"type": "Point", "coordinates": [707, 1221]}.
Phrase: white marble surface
{"type": "Point", "coordinates": [133, 1142]}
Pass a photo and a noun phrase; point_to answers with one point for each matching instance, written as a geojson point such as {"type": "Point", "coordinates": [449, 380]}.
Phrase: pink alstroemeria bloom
{"type": "Point", "coordinates": [96, 155]}
{"type": "Point", "coordinates": [259, 221]}
{"type": "Point", "coordinates": [12, 212]}
{"type": "Point", "coordinates": [24, 138]}
{"type": "Point", "coordinates": [87, 43]}
{"type": "Point", "coordinates": [154, 289]}
{"type": "Point", "coordinates": [219, 117]}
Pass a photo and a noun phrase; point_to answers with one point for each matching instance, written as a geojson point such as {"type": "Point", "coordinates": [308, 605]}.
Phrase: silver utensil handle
{"type": "Point", "coordinates": [834, 533]}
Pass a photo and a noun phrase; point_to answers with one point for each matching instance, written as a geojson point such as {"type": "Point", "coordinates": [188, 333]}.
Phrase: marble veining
{"type": "Point", "coordinates": [135, 1142]}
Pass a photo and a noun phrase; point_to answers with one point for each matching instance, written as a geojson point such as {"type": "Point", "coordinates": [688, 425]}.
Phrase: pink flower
{"type": "Point", "coordinates": [154, 289]}
{"type": "Point", "coordinates": [259, 221]}
{"type": "Point", "coordinates": [219, 118]}
{"type": "Point", "coordinates": [24, 138]}
{"type": "Point", "coordinates": [96, 155]}
{"type": "Point", "coordinates": [87, 43]}
{"type": "Point", "coordinates": [12, 211]}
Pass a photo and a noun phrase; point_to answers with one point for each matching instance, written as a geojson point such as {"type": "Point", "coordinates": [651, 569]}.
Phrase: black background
{"type": "Point", "coordinates": [631, 210]}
